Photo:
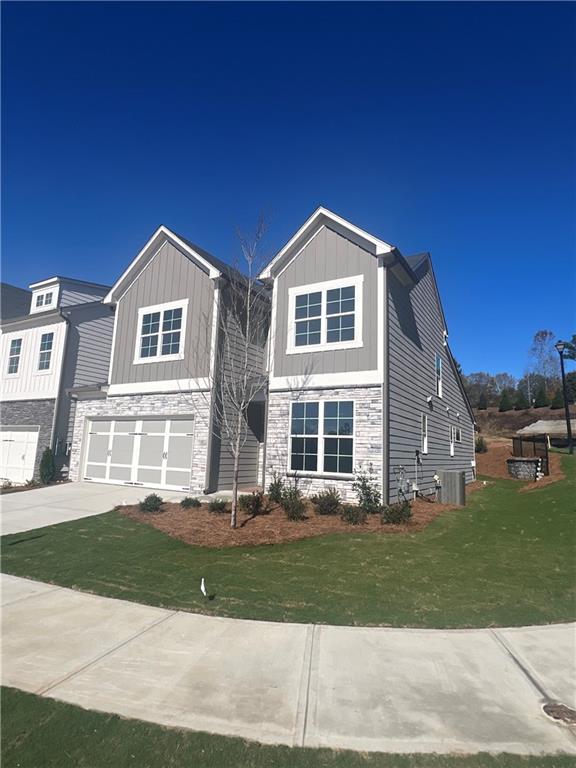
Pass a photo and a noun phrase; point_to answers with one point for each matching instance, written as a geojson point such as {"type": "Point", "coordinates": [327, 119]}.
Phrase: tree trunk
{"type": "Point", "coordinates": [233, 513]}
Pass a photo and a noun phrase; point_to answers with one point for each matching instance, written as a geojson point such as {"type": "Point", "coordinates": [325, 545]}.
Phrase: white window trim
{"type": "Point", "coordinates": [424, 434]}
{"type": "Point", "coordinates": [16, 374]}
{"type": "Point", "coordinates": [321, 437]}
{"type": "Point", "coordinates": [181, 303]}
{"type": "Point", "coordinates": [45, 371]}
{"type": "Point", "coordinates": [452, 436]}
{"type": "Point", "coordinates": [54, 290]}
{"type": "Point", "coordinates": [438, 381]}
{"type": "Point", "coordinates": [358, 282]}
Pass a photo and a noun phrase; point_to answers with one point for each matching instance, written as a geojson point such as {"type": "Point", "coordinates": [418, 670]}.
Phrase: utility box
{"type": "Point", "coordinates": [452, 487]}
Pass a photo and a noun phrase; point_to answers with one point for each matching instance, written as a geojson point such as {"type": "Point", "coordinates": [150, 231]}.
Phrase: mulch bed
{"type": "Point", "coordinates": [202, 528]}
{"type": "Point", "coordinates": [493, 464]}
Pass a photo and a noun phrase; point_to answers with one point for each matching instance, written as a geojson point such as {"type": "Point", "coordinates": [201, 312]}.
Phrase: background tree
{"type": "Point", "coordinates": [571, 386]}
{"type": "Point", "coordinates": [521, 401]}
{"type": "Point", "coordinates": [558, 399]}
{"type": "Point", "coordinates": [505, 401]}
{"type": "Point", "coordinates": [544, 358]}
{"type": "Point", "coordinates": [504, 381]}
{"type": "Point", "coordinates": [570, 348]}
{"type": "Point", "coordinates": [541, 400]}
{"type": "Point", "coordinates": [482, 402]}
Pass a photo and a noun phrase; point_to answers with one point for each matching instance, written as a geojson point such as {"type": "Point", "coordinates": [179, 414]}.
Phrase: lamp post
{"type": "Point", "coordinates": [560, 346]}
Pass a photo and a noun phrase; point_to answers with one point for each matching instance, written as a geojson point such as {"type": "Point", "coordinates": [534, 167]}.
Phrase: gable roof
{"type": "Point", "coordinates": [323, 217]}
{"type": "Point", "coordinates": [208, 263]}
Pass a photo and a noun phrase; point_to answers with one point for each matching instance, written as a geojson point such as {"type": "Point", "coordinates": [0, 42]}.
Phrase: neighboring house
{"type": "Point", "coordinates": [153, 422]}
{"type": "Point", "coordinates": [360, 372]}
{"type": "Point", "coordinates": [58, 338]}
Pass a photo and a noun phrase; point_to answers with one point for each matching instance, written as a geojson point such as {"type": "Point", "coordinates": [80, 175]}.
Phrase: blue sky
{"type": "Point", "coordinates": [442, 127]}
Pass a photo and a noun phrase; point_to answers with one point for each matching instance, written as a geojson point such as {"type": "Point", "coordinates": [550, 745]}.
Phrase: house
{"type": "Point", "coordinates": [153, 421]}
{"type": "Point", "coordinates": [360, 372]}
{"type": "Point", "coordinates": [55, 336]}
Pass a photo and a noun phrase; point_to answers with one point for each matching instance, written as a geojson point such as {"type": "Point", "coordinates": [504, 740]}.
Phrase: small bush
{"type": "Point", "coordinates": [327, 502]}
{"type": "Point", "coordinates": [353, 515]}
{"type": "Point", "coordinates": [482, 402]}
{"type": "Point", "coordinates": [506, 403]}
{"type": "Point", "coordinates": [6, 484]}
{"type": "Point", "coordinates": [557, 400]}
{"type": "Point", "coordinates": [189, 502]}
{"type": "Point", "coordinates": [47, 466]}
{"type": "Point", "coordinates": [480, 445]}
{"type": "Point", "coordinates": [396, 514]}
{"type": "Point", "coordinates": [541, 400]}
{"type": "Point", "coordinates": [276, 489]}
{"type": "Point", "coordinates": [217, 505]}
{"type": "Point", "coordinates": [253, 503]}
{"type": "Point", "coordinates": [151, 503]}
{"type": "Point", "coordinates": [293, 504]}
{"type": "Point", "coordinates": [367, 491]}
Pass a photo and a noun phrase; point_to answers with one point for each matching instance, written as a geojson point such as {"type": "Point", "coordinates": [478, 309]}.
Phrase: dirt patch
{"type": "Point", "coordinates": [493, 464]}
{"type": "Point", "coordinates": [561, 713]}
{"type": "Point", "coordinates": [493, 423]}
{"type": "Point", "coordinates": [202, 528]}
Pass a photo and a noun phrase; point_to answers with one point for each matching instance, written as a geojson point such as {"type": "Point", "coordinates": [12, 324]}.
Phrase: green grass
{"type": "Point", "coordinates": [508, 558]}
{"type": "Point", "coordinates": [42, 733]}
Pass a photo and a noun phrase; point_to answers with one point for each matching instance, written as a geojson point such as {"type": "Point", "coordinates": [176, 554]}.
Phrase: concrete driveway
{"type": "Point", "coordinates": [38, 507]}
{"type": "Point", "coordinates": [369, 689]}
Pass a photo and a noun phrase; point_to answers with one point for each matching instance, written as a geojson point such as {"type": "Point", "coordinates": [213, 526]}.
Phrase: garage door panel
{"type": "Point", "coordinates": [150, 476]}
{"type": "Point", "coordinates": [96, 471]}
{"type": "Point", "coordinates": [179, 451]}
{"type": "Point", "coordinates": [151, 450]}
{"type": "Point", "coordinates": [121, 473]}
{"type": "Point", "coordinates": [98, 448]}
{"type": "Point", "coordinates": [181, 479]}
{"type": "Point", "coordinates": [122, 449]}
{"type": "Point", "coordinates": [155, 426]}
{"type": "Point", "coordinates": [182, 425]}
{"type": "Point", "coordinates": [125, 426]}
{"type": "Point", "coordinates": [18, 454]}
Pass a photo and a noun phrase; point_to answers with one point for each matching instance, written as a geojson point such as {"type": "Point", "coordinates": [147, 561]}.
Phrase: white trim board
{"type": "Point", "coordinates": [156, 387]}
{"type": "Point", "coordinates": [320, 380]}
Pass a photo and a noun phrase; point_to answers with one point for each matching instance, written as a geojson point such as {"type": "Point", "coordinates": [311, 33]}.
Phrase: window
{"type": "Point", "coordinates": [424, 433]}
{"type": "Point", "coordinates": [40, 300]}
{"type": "Point", "coordinates": [48, 298]}
{"type": "Point", "coordinates": [46, 343]}
{"type": "Point", "coordinates": [322, 437]}
{"type": "Point", "coordinates": [325, 315]}
{"type": "Point", "coordinates": [14, 355]}
{"type": "Point", "coordinates": [438, 375]}
{"type": "Point", "coordinates": [452, 431]}
{"type": "Point", "coordinates": [161, 332]}
{"type": "Point", "coordinates": [458, 434]}
{"type": "Point", "coordinates": [44, 299]}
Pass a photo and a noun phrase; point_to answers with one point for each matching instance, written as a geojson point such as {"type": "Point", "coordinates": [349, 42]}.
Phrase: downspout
{"type": "Point", "coordinates": [385, 392]}
{"type": "Point", "coordinates": [60, 381]}
{"type": "Point", "coordinates": [213, 372]}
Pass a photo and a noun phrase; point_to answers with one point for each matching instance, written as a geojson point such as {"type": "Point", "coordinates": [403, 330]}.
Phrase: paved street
{"type": "Point", "coordinates": [393, 690]}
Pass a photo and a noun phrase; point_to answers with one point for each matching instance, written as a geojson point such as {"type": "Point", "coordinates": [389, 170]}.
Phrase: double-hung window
{"type": "Point", "coordinates": [161, 331]}
{"type": "Point", "coordinates": [325, 316]}
{"type": "Point", "coordinates": [452, 433]}
{"type": "Point", "coordinates": [424, 433]}
{"type": "Point", "coordinates": [438, 368]}
{"type": "Point", "coordinates": [322, 437]}
{"type": "Point", "coordinates": [46, 344]}
{"type": "Point", "coordinates": [14, 356]}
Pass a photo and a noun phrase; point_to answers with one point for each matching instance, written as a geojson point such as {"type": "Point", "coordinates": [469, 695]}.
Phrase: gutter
{"type": "Point", "coordinates": [59, 392]}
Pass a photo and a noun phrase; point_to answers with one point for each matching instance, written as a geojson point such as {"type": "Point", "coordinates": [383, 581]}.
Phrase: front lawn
{"type": "Point", "coordinates": [42, 733]}
{"type": "Point", "coordinates": [508, 558]}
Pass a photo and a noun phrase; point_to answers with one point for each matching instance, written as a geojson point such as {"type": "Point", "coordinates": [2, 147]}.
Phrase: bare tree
{"type": "Point", "coordinates": [544, 358]}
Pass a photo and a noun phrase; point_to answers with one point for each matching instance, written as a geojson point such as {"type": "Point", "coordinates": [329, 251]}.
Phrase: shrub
{"type": "Point", "coordinates": [293, 504]}
{"type": "Point", "coordinates": [367, 491]}
{"type": "Point", "coordinates": [505, 402]}
{"type": "Point", "coordinates": [276, 489]}
{"type": "Point", "coordinates": [47, 466]}
{"type": "Point", "coordinates": [396, 514]}
{"type": "Point", "coordinates": [480, 445]}
{"type": "Point", "coordinates": [327, 502]}
{"type": "Point", "coordinates": [6, 484]}
{"type": "Point", "coordinates": [482, 402]}
{"type": "Point", "coordinates": [253, 503]}
{"type": "Point", "coordinates": [557, 400]}
{"type": "Point", "coordinates": [189, 502]}
{"type": "Point", "coordinates": [521, 403]}
{"type": "Point", "coordinates": [353, 515]}
{"type": "Point", "coordinates": [217, 505]}
{"type": "Point", "coordinates": [151, 503]}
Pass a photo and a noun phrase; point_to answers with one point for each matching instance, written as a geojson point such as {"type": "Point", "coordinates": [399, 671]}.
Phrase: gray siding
{"type": "Point", "coordinates": [168, 277]}
{"type": "Point", "coordinates": [329, 256]}
{"type": "Point", "coordinates": [77, 293]}
{"type": "Point", "coordinates": [415, 336]}
{"type": "Point", "coordinates": [231, 351]}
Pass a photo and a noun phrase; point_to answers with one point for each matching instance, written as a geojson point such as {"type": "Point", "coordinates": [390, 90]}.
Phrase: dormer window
{"type": "Point", "coordinates": [161, 332]}
{"type": "Point", "coordinates": [325, 316]}
{"type": "Point", "coordinates": [44, 299]}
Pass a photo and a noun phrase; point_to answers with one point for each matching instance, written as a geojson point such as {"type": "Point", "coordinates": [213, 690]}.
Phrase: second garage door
{"type": "Point", "coordinates": [148, 452]}
{"type": "Point", "coordinates": [18, 446]}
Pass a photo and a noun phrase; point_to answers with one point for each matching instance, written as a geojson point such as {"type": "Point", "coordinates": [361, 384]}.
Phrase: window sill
{"type": "Point", "coordinates": [158, 359]}
{"type": "Point", "coordinates": [319, 475]}
{"type": "Point", "coordinates": [327, 347]}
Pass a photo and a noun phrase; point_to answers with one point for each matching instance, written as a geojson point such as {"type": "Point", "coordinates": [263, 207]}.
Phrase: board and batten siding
{"type": "Point", "coordinates": [328, 256]}
{"type": "Point", "coordinates": [169, 276]}
{"type": "Point", "coordinates": [29, 383]}
{"type": "Point", "coordinates": [416, 334]}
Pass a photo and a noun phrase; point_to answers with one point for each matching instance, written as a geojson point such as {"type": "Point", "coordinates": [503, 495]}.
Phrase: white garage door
{"type": "Point", "coordinates": [18, 453]}
{"type": "Point", "coordinates": [149, 452]}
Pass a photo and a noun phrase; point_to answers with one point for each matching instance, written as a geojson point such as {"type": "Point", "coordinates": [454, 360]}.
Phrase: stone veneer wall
{"type": "Point", "coordinates": [153, 405]}
{"type": "Point", "coordinates": [367, 436]}
{"type": "Point", "coordinates": [33, 413]}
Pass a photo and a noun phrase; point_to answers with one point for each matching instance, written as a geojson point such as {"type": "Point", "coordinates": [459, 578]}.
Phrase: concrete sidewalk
{"type": "Point", "coordinates": [389, 690]}
{"type": "Point", "coordinates": [38, 507]}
